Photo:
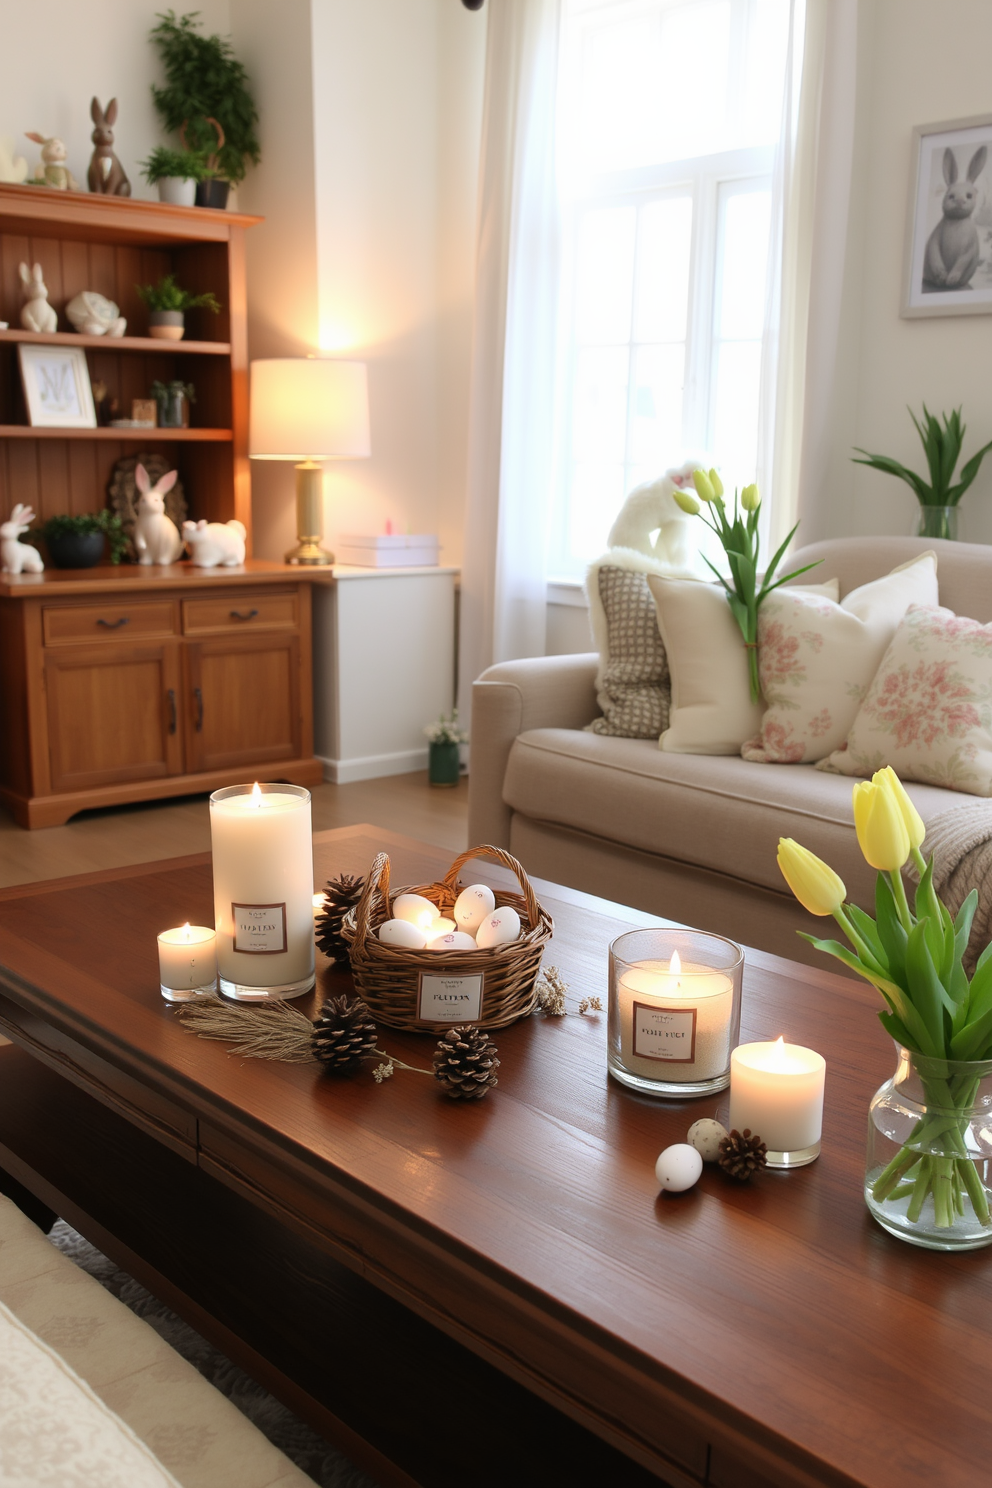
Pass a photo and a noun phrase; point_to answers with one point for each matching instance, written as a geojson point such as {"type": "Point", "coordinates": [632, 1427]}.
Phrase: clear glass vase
{"type": "Point", "coordinates": [937, 521]}
{"type": "Point", "coordinates": [928, 1177]}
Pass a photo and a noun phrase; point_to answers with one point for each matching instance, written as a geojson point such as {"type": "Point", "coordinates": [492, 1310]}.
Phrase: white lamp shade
{"type": "Point", "coordinates": [308, 408]}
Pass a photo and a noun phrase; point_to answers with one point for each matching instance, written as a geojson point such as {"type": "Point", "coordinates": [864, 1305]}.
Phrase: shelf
{"type": "Point", "coordinates": [200, 436]}
{"type": "Point", "coordinates": [118, 343]}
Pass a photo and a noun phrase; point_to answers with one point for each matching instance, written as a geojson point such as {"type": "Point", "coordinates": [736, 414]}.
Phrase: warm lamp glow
{"type": "Point", "coordinates": [309, 408]}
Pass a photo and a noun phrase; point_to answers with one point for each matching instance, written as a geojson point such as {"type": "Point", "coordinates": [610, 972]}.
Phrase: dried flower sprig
{"type": "Point", "coordinates": [552, 994]}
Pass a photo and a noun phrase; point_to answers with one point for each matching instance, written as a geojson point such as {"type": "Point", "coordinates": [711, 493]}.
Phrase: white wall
{"type": "Point", "coordinates": [56, 57]}
{"type": "Point", "coordinates": [920, 62]}
{"type": "Point", "coordinates": [368, 246]}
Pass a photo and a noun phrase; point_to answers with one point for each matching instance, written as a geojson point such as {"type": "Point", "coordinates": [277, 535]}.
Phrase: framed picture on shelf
{"type": "Point", "coordinates": [56, 387]}
{"type": "Point", "coordinates": [948, 268]}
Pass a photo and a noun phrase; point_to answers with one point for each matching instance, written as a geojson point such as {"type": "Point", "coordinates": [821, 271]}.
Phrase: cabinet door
{"type": "Point", "coordinates": [242, 700]}
{"type": "Point", "coordinates": [113, 713]}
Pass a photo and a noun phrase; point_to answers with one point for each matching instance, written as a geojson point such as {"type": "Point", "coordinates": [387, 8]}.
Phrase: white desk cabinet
{"type": "Point", "coordinates": [383, 667]}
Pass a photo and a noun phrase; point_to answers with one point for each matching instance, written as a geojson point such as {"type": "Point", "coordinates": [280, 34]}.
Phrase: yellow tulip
{"type": "Point", "coordinates": [814, 883]}
{"type": "Point", "coordinates": [704, 488]}
{"type": "Point", "coordinates": [912, 818]}
{"type": "Point", "coordinates": [687, 502]}
{"type": "Point", "coordinates": [750, 500]}
{"type": "Point", "coordinates": [716, 483]}
{"type": "Point", "coordinates": [878, 820]}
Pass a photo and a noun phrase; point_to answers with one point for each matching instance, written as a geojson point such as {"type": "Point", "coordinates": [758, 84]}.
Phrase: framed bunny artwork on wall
{"type": "Point", "coordinates": [949, 232]}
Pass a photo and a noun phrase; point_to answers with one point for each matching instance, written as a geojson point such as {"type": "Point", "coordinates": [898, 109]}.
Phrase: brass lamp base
{"type": "Point", "coordinates": [309, 517]}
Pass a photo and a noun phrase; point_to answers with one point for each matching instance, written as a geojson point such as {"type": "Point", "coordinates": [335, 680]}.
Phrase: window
{"type": "Point", "coordinates": [669, 115]}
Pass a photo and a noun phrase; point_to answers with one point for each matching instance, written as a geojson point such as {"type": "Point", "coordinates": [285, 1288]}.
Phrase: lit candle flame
{"type": "Point", "coordinates": [675, 965]}
{"type": "Point", "coordinates": [318, 901]}
{"type": "Point", "coordinates": [186, 931]}
{"type": "Point", "coordinates": [255, 799]}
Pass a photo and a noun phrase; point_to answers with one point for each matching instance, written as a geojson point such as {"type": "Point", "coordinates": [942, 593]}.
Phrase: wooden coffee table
{"type": "Point", "coordinates": [495, 1293]}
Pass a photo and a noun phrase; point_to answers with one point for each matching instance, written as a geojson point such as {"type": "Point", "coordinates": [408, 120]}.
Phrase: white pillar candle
{"type": "Point", "coordinates": [187, 962]}
{"type": "Point", "coordinates": [263, 890]}
{"type": "Point", "coordinates": [675, 1020]}
{"type": "Point", "coordinates": [776, 1089]}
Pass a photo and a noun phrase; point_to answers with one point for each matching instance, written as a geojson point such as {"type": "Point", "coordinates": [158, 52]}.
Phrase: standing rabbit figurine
{"type": "Point", "coordinates": [36, 313]}
{"type": "Point", "coordinates": [953, 247]}
{"type": "Point", "coordinates": [106, 174]}
{"type": "Point", "coordinates": [156, 536]}
{"type": "Point", "coordinates": [52, 169]}
{"type": "Point", "coordinates": [17, 557]}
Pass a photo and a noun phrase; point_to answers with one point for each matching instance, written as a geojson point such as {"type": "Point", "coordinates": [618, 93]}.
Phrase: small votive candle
{"type": "Point", "coordinates": [187, 963]}
{"type": "Point", "coordinates": [776, 1089]}
{"type": "Point", "coordinates": [674, 1010]}
{"type": "Point", "coordinates": [319, 900]}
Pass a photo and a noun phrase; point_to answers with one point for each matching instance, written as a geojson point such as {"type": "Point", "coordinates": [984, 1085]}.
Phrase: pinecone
{"type": "Point", "coordinates": [340, 895]}
{"type": "Point", "coordinates": [465, 1062]}
{"type": "Point", "coordinates": [343, 1034]}
{"type": "Point", "coordinates": [740, 1154]}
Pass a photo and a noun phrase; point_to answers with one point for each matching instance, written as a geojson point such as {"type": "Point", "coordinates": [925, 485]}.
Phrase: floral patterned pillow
{"type": "Point", "coordinates": [816, 659]}
{"type": "Point", "coordinates": [928, 713]}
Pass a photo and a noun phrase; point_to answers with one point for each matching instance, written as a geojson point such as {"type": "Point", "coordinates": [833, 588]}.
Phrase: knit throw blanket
{"type": "Point", "coordinates": [961, 843]}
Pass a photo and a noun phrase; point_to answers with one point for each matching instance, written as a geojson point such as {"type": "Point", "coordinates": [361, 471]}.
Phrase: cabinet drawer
{"type": "Point", "coordinates": [107, 621]}
{"type": "Point", "coordinates": [241, 613]}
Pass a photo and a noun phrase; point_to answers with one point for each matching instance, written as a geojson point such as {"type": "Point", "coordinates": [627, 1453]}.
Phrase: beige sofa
{"type": "Point", "coordinates": [689, 837]}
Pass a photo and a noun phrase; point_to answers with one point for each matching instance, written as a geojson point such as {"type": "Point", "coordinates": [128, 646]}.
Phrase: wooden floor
{"type": "Point", "coordinates": [167, 829]}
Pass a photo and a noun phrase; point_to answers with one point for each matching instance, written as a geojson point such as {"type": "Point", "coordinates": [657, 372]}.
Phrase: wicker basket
{"type": "Point", "coordinates": [490, 988]}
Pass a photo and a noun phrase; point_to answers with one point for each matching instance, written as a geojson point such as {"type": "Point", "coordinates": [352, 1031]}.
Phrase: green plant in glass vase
{"type": "Point", "coordinates": [939, 1017]}
{"type": "Point", "coordinates": [739, 538]}
{"type": "Point", "coordinates": [942, 447]}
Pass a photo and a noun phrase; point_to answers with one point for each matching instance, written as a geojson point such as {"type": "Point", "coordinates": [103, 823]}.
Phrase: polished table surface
{"type": "Point", "coordinates": [734, 1335]}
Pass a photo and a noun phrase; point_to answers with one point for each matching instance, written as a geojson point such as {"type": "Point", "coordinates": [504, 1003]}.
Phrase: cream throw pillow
{"type": "Point", "coordinates": [816, 659]}
{"type": "Point", "coordinates": [928, 712]}
{"type": "Point", "coordinates": [711, 708]}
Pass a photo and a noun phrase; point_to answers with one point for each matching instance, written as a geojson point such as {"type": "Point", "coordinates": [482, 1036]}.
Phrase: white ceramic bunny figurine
{"type": "Point", "coordinates": [17, 557]}
{"type": "Point", "coordinates": [215, 544]}
{"type": "Point", "coordinates": [36, 313]}
{"type": "Point", "coordinates": [156, 536]}
{"type": "Point", "coordinates": [52, 169]}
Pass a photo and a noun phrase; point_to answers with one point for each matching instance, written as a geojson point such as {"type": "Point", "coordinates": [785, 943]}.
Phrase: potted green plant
{"type": "Point", "coordinates": [207, 101]}
{"type": "Point", "coordinates": [443, 760]}
{"type": "Point", "coordinates": [176, 173]}
{"type": "Point", "coordinates": [78, 542]}
{"type": "Point", "coordinates": [167, 305]}
{"type": "Point", "coordinates": [938, 514]}
{"type": "Point", "coordinates": [173, 399]}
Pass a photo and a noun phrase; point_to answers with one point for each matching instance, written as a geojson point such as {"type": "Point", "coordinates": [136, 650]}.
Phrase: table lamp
{"type": "Point", "coordinates": [309, 409]}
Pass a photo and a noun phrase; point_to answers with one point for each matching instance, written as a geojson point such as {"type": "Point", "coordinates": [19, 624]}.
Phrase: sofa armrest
{"type": "Point", "coordinates": [540, 692]}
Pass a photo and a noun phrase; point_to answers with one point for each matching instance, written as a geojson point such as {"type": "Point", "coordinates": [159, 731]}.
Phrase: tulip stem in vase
{"type": "Point", "coordinates": [928, 1132]}
{"type": "Point", "coordinates": [741, 543]}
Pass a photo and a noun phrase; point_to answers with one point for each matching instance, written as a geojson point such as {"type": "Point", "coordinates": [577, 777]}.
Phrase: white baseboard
{"type": "Point", "coordinates": [372, 766]}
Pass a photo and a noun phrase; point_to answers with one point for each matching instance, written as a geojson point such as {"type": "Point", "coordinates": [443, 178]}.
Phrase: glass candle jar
{"type": "Point", "coordinates": [675, 1010]}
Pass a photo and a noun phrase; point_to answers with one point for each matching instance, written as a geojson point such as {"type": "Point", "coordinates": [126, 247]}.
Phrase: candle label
{"type": "Point", "coordinates": [259, 929]}
{"type": "Point", "coordinates": [449, 999]}
{"type": "Point", "coordinates": [664, 1033]}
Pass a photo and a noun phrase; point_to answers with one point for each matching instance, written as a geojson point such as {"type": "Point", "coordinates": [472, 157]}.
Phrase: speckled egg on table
{"type": "Point", "coordinates": [678, 1168]}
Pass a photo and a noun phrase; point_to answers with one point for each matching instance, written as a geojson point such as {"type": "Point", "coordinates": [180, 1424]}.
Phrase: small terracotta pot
{"type": "Point", "coordinates": [166, 325]}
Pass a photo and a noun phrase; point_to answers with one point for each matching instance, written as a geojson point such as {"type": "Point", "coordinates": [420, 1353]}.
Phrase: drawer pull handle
{"type": "Point", "coordinates": [199, 709]}
{"type": "Point", "coordinates": [172, 710]}
{"type": "Point", "coordinates": [243, 615]}
{"type": "Point", "coordinates": [113, 624]}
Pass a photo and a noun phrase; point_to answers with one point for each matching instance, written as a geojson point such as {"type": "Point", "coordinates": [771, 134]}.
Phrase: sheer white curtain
{"type": "Point", "coordinates": [811, 194]}
{"type": "Point", "coordinates": [511, 434]}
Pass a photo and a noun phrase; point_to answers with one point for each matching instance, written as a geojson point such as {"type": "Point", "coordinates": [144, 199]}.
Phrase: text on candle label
{"type": "Point", "coordinates": [259, 929]}
{"type": "Point", "coordinates": [664, 1033]}
{"type": "Point", "coordinates": [443, 999]}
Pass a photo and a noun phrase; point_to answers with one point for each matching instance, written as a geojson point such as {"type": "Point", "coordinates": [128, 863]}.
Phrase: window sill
{"type": "Point", "coordinates": [569, 592]}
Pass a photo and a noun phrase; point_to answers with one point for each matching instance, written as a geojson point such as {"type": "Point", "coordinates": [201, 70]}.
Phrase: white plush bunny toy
{"type": "Point", "coordinates": [156, 536]}
{"type": "Point", "coordinates": [17, 557]}
{"type": "Point", "coordinates": [215, 544]}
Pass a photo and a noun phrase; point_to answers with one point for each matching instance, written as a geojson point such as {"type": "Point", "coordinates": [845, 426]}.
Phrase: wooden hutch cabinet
{"type": "Point", "coordinates": [125, 684]}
